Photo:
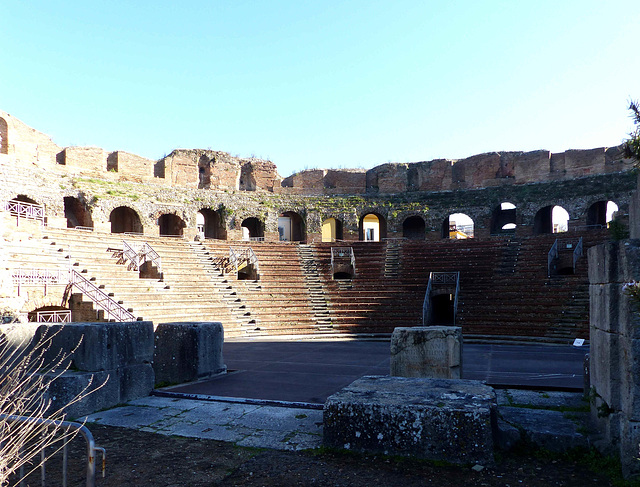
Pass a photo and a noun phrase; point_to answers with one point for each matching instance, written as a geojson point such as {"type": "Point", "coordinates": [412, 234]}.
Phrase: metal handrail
{"type": "Point", "coordinates": [23, 209]}
{"type": "Point", "coordinates": [551, 256]}
{"type": "Point", "coordinates": [112, 309]}
{"type": "Point", "coordinates": [239, 255]}
{"type": "Point", "coordinates": [139, 255]}
{"type": "Point", "coordinates": [577, 253]}
{"type": "Point", "coordinates": [66, 425]}
{"type": "Point", "coordinates": [83, 229]}
{"type": "Point", "coordinates": [342, 252]}
{"type": "Point", "coordinates": [440, 278]}
{"type": "Point", "coordinates": [40, 276]}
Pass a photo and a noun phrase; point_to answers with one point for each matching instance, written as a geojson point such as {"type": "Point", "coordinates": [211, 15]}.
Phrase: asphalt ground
{"type": "Point", "coordinates": [308, 371]}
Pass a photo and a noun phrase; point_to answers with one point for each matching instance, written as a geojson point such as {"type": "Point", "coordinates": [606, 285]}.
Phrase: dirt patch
{"type": "Point", "coordinates": [138, 458]}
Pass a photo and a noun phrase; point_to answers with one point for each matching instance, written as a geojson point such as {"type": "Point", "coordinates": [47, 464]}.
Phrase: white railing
{"type": "Point", "coordinates": [21, 209]}
{"type": "Point", "coordinates": [83, 229]}
{"type": "Point", "coordinates": [63, 316]}
{"type": "Point", "coordinates": [138, 255]}
{"type": "Point", "coordinates": [40, 276]}
{"type": "Point", "coordinates": [65, 427]}
{"type": "Point", "coordinates": [238, 256]}
{"type": "Point", "coordinates": [343, 253]}
{"type": "Point", "coordinates": [112, 309]}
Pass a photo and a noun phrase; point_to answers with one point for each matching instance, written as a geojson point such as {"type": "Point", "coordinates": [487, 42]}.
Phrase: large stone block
{"type": "Point", "coordinates": [135, 381]}
{"type": "Point", "coordinates": [427, 351]}
{"type": "Point", "coordinates": [188, 351]}
{"type": "Point", "coordinates": [605, 366]}
{"type": "Point", "coordinates": [603, 263]}
{"type": "Point", "coordinates": [438, 419]}
{"type": "Point", "coordinates": [100, 346]}
{"type": "Point", "coordinates": [629, 446]}
{"type": "Point", "coordinates": [104, 387]}
{"type": "Point", "coordinates": [604, 306]}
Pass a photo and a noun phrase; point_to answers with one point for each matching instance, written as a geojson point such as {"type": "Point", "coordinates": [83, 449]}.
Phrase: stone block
{"type": "Point", "coordinates": [630, 378]}
{"type": "Point", "coordinates": [604, 306]}
{"type": "Point", "coordinates": [427, 351]}
{"type": "Point", "coordinates": [603, 263]}
{"type": "Point", "coordinates": [438, 419]}
{"type": "Point", "coordinates": [605, 366]}
{"type": "Point", "coordinates": [135, 381]}
{"type": "Point", "coordinates": [102, 346]}
{"type": "Point", "coordinates": [65, 388]}
{"type": "Point", "coordinates": [188, 351]}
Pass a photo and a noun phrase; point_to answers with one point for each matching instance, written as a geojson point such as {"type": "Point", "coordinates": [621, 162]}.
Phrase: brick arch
{"type": "Point", "coordinates": [125, 219]}
{"type": "Point", "coordinates": [414, 227]}
{"type": "Point", "coordinates": [171, 225]}
{"type": "Point", "coordinates": [382, 225]}
{"type": "Point", "coordinates": [4, 136]}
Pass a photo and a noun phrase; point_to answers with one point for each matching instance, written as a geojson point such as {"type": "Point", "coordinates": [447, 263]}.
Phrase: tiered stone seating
{"type": "Point", "coordinates": [184, 294]}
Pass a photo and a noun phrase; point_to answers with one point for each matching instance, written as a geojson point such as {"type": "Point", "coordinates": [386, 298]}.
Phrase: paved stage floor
{"type": "Point", "coordinates": [308, 371]}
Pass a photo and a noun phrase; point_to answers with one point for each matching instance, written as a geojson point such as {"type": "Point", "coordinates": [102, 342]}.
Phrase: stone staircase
{"type": "Point", "coordinates": [317, 294]}
{"type": "Point", "coordinates": [231, 295]}
{"type": "Point", "coordinates": [393, 259]}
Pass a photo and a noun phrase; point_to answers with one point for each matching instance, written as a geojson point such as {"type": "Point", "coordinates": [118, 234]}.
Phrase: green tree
{"type": "Point", "coordinates": [632, 145]}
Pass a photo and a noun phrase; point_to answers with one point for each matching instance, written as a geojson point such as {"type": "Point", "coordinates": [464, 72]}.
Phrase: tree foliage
{"type": "Point", "coordinates": [632, 145]}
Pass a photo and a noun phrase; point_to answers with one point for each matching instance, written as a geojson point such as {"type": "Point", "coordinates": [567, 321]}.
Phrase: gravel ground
{"type": "Point", "coordinates": [136, 458]}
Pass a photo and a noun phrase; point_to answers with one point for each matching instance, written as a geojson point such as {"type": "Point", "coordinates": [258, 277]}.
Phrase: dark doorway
{"type": "Point", "coordinates": [125, 220]}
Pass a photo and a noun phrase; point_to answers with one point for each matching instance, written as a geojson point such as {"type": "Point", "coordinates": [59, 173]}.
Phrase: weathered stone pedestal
{"type": "Point", "coordinates": [187, 351]}
{"type": "Point", "coordinates": [427, 351]}
{"type": "Point", "coordinates": [437, 419]}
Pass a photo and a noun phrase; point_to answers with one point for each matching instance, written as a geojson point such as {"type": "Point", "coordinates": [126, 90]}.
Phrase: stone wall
{"type": "Point", "coordinates": [615, 350]}
{"type": "Point", "coordinates": [24, 143]}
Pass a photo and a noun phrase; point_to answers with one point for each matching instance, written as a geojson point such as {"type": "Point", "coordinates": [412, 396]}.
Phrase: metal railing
{"type": "Point", "coordinates": [551, 256]}
{"type": "Point", "coordinates": [22, 209]}
{"type": "Point", "coordinates": [112, 309]}
{"type": "Point", "coordinates": [577, 253]}
{"type": "Point", "coordinates": [66, 426]}
{"type": "Point", "coordinates": [139, 255]}
{"type": "Point", "coordinates": [239, 256]}
{"type": "Point", "coordinates": [40, 276]}
{"type": "Point", "coordinates": [63, 316]}
{"type": "Point", "coordinates": [83, 229]}
{"type": "Point", "coordinates": [343, 253]}
{"type": "Point", "coordinates": [440, 278]}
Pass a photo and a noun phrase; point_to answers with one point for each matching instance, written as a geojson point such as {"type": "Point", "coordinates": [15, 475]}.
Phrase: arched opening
{"type": "Point", "coordinates": [247, 180]}
{"type": "Point", "coordinates": [50, 314]}
{"type": "Point", "coordinates": [551, 219]}
{"type": "Point", "coordinates": [331, 230]}
{"type": "Point", "coordinates": [210, 224]}
{"type": "Point", "coordinates": [373, 227]}
{"type": "Point", "coordinates": [252, 228]}
{"type": "Point", "coordinates": [503, 219]}
{"type": "Point", "coordinates": [442, 306]}
{"type": "Point", "coordinates": [414, 228]}
{"type": "Point", "coordinates": [25, 199]}
{"type": "Point", "coordinates": [170, 225]}
{"type": "Point", "coordinates": [291, 227]}
{"type": "Point", "coordinates": [457, 226]}
{"type": "Point", "coordinates": [76, 213]}
{"type": "Point", "coordinates": [125, 220]}
{"type": "Point", "coordinates": [4, 137]}
{"type": "Point", "coordinates": [204, 173]}
{"type": "Point", "coordinates": [601, 213]}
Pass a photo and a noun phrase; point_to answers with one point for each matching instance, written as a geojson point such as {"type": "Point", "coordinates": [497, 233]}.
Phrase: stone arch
{"type": "Point", "coordinates": [252, 228]}
{"type": "Point", "coordinates": [171, 225]}
{"type": "Point", "coordinates": [503, 219]}
{"type": "Point", "coordinates": [414, 228]}
{"type": "Point", "coordinates": [601, 213]}
{"type": "Point", "coordinates": [22, 198]}
{"type": "Point", "coordinates": [551, 219]}
{"type": "Point", "coordinates": [332, 230]}
{"type": "Point", "coordinates": [32, 316]}
{"type": "Point", "coordinates": [372, 227]}
{"type": "Point", "coordinates": [291, 227]}
{"type": "Point", "coordinates": [125, 220]}
{"type": "Point", "coordinates": [458, 226]}
{"type": "Point", "coordinates": [210, 224]}
{"type": "Point", "coordinates": [76, 213]}
{"type": "Point", "coordinates": [4, 136]}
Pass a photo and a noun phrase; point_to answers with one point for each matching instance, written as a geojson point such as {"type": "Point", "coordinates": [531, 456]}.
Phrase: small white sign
{"type": "Point", "coordinates": [578, 342]}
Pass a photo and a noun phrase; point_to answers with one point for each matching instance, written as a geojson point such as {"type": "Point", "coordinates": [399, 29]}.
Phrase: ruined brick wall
{"type": "Point", "coordinates": [24, 143]}
{"type": "Point", "coordinates": [88, 160]}
{"type": "Point", "coordinates": [130, 167]}
{"type": "Point", "coordinates": [258, 174]}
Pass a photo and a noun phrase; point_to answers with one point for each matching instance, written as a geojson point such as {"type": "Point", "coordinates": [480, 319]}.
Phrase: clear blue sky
{"type": "Point", "coordinates": [323, 84]}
